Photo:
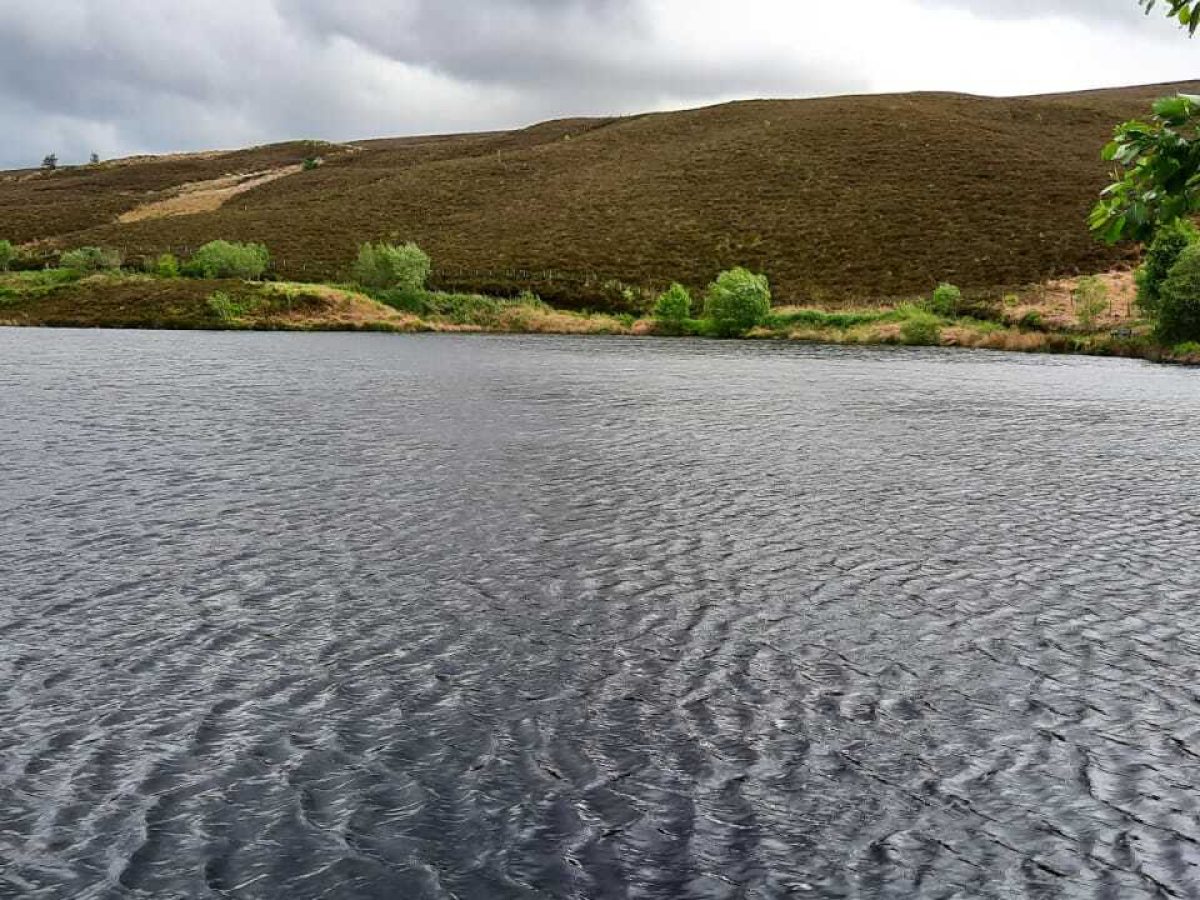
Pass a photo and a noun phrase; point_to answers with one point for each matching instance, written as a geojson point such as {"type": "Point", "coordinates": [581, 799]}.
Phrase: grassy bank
{"type": "Point", "coordinates": [1034, 321]}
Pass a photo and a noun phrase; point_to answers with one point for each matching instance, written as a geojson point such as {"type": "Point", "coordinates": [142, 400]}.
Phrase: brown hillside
{"type": "Point", "coordinates": [834, 198]}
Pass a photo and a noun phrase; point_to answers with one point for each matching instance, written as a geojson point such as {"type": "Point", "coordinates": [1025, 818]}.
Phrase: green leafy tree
{"type": "Point", "coordinates": [385, 266]}
{"type": "Point", "coordinates": [945, 301]}
{"type": "Point", "coordinates": [1157, 172]}
{"type": "Point", "coordinates": [1157, 162]}
{"type": "Point", "coordinates": [737, 301]}
{"type": "Point", "coordinates": [225, 259]}
{"type": "Point", "coordinates": [1161, 256]}
{"type": "Point", "coordinates": [91, 259]}
{"type": "Point", "coordinates": [674, 306]}
{"type": "Point", "coordinates": [1091, 299]}
{"type": "Point", "coordinates": [7, 254]}
{"type": "Point", "coordinates": [1179, 304]}
{"type": "Point", "coordinates": [166, 266]}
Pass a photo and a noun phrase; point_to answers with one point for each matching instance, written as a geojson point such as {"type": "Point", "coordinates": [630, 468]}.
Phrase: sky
{"type": "Point", "coordinates": [118, 77]}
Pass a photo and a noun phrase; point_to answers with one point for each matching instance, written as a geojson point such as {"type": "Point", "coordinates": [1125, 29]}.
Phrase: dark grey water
{"type": "Point", "coordinates": [432, 617]}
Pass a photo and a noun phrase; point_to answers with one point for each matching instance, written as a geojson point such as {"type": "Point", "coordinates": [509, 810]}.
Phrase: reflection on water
{"type": "Point", "coordinates": [299, 616]}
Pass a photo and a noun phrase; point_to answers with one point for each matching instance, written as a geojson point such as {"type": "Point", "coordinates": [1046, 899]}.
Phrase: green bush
{"type": "Point", "coordinates": [921, 329]}
{"type": "Point", "coordinates": [165, 266]}
{"type": "Point", "coordinates": [1179, 300]}
{"type": "Point", "coordinates": [1091, 299]}
{"type": "Point", "coordinates": [1161, 256]}
{"type": "Point", "coordinates": [819, 318]}
{"type": "Point", "coordinates": [226, 259]}
{"type": "Point", "coordinates": [945, 300]}
{"type": "Point", "coordinates": [91, 259]}
{"type": "Point", "coordinates": [674, 306]}
{"type": "Point", "coordinates": [737, 301]}
{"type": "Point", "coordinates": [388, 266]}
{"type": "Point", "coordinates": [1032, 321]}
{"type": "Point", "coordinates": [7, 254]}
{"type": "Point", "coordinates": [1187, 348]}
{"type": "Point", "coordinates": [227, 307]}
{"type": "Point", "coordinates": [311, 163]}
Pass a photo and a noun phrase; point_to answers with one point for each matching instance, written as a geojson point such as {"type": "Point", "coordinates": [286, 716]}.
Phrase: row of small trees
{"type": "Point", "coordinates": [50, 161]}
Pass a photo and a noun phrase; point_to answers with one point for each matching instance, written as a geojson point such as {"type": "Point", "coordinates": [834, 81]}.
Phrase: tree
{"type": "Point", "coordinates": [1164, 251]}
{"type": "Point", "coordinates": [674, 306]}
{"type": "Point", "coordinates": [1179, 304]}
{"type": "Point", "coordinates": [385, 266]}
{"type": "Point", "coordinates": [1186, 11]}
{"type": "Point", "coordinates": [737, 301]}
{"type": "Point", "coordinates": [1157, 172]}
{"type": "Point", "coordinates": [50, 161]}
{"type": "Point", "coordinates": [94, 159]}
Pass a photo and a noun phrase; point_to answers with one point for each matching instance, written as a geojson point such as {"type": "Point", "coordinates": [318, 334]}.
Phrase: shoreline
{"type": "Point", "coordinates": [59, 299]}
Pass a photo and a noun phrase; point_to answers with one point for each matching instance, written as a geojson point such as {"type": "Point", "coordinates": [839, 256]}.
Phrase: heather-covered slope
{"type": "Point", "coordinates": [834, 198]}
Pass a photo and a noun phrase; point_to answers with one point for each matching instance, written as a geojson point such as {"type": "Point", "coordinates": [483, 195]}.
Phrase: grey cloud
{"type": "Point", "coordinates": [123, 76]}
{"type": "Point", "coordinates": [1125, 12]}
{"type": "Point", "coordinates": [126, 76]}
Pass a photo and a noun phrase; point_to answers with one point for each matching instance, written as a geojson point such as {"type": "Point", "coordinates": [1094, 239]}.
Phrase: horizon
{"type": "Point", "coordinates": [652, 112]}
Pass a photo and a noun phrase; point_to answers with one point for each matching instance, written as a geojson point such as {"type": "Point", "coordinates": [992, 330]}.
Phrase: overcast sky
{"type": "Point", "coordinates": [130, 76]}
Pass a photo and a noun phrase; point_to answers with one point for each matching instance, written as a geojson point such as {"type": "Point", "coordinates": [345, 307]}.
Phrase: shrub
{"type": "Point", "coordinates": [1091, 299]}
{"type": "Point", "coordinates": [228, 307]}
{"type": "Point", "coordinates": [1032, 321]}
{"type": "Point", "coordinates": [1179, 300]}
{"type": "Point", "coordinates": [1169, 242]}
{"type": "Point", "coordinates": [674, 306]}
{"type": "Point", "coordinates": [737, 301]}
{"type": "Point", "coordinates": [386, 266]}
{"type": "Point", "coordinates": [225, 259]}
{"type": "Point", "coordinates": [1187, 348]}
{"type": "Point", "coordinates": [7, 254]}
{"type": "Point", "coordinates": [311, 162]}
{"type": "Point", "coordinates": [91, 259]}
{"type": "Point", "coordinates": [921, 329]}
{"type": "Point", "coordinates": [945, 300]}
{"type": "Point", "coordinates": [165, 266]}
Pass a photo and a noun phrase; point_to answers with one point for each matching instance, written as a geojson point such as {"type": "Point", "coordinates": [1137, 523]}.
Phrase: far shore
{"type": "Point", "coordinates": [1038, 319]}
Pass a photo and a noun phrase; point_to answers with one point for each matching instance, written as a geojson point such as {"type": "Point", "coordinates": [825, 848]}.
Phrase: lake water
{"type": "Point", "coordinates": [300, 616]}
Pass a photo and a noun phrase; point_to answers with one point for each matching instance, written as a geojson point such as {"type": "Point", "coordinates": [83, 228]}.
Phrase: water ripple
{"type": "Point", "coordinates": [432, 617]}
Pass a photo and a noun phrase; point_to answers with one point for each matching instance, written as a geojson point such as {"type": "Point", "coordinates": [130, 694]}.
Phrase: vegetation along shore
{"type": "Point", "coordinates": [227, 285]}
{"type": "Point", "coordinates": [853, 207]}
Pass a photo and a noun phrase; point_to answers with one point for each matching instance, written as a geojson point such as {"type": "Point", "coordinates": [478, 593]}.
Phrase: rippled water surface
{"type": "Point", "coordinates": [299, 616]}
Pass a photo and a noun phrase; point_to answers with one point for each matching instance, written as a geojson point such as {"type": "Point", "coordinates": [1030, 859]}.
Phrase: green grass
{"type": "Point", "coordinates": [23, 285]}
{"type": "Point", "coordinates": [817, 318]}
{"type": "Point", "coordinates": [456, 308]}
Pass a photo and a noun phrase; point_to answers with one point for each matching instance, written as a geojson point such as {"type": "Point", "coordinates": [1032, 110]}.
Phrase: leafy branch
{"type": "Point", "coordinates": [1157, 172]}
{"type": "Point", "coordinates": [1186, 11]}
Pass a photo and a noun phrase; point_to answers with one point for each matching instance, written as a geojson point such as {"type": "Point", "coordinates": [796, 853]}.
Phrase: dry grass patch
{"type": "Point", "coordinates": [205, 196]}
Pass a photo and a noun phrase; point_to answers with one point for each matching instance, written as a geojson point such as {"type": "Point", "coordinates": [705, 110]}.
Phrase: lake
{"type": "Point", "coordinates": [375, 616]}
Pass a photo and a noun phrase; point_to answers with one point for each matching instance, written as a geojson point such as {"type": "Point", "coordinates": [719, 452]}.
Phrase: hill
{"type": "Point", "coordinates": [836, 199]}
